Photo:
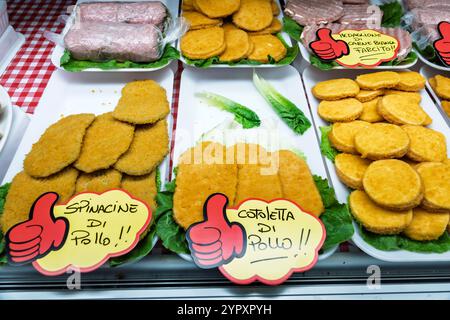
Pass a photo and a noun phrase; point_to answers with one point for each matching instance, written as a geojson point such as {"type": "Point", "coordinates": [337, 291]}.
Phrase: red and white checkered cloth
{"type": "Point", "coordinates": [27, 76]}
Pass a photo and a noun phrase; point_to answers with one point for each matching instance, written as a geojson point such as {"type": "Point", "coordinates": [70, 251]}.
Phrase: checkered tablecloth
{"type": "Point", "coordinates": [27, 76]}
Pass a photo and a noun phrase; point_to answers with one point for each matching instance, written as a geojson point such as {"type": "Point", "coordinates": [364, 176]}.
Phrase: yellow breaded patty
{"type": "Point", "coordinates": [426, 226]}
{"type": "Point", "coordinates": [58, 147]}
{"type": "Point", "coordinates": [393, 184]}
{"type": "Point", "coordinates": [436, 181]}
{"type": "Point", "coordinates": [99, 181]}
{"type": "Point", "coordinates": [238, 45]}
{"type": "Point", "coordinates": [446, 106]}
{"type": "Point", "coordinates": [413, 95]}
{"type": "Point", "coordinates": [216, 9]}
{"type": "Point", "coordinates": [143, 187]}
{"type": "Point", "coordinates": [340, 110]}
{"type": "Point", "coordinates": [203, 43]}
{"type": "Point", "coordinates": [142, 102]}
{"type": "Point", "coordinates": [378, 80]}
{"type": "Point", "coordinates": [410, 81]}
{"type": "Point", "coordinates": [297, 183]}
{"type": "Point", "coordinates": [275, 27]}
{"type": "Point", "coordinates": [267, 45]}
{"type": "Point", "coordinates": [254, 15]}
{"type": "Point", "coordinates": [375, 218]}
{"type": "Point", "coordinates": [105, 141]}
{"type": "Point", "coordinates": [427, 145]}
{"type": "Point", "coordinates": [335, 89]}
{"type": "Point", "coordinates": [342, 135]}
{"type": "Point", "coordinates": [25, 190]}
{"type": "Point", "coordinates": [368, 95]}
{"type": "Point", "coordinates": [370, 111]}
{"type": "Point", "coordinates": [350, 169]}
{"type": "Point", "coordinates": [442, 87]}
{"type": "Point", "coordinates": [400, 110]}
{"type": "Point", "coordinates": [198, 20]}
{"type": "Point", "coordinates": [382, 141]}
{"type": "Point", "coordinates": [148, 149]}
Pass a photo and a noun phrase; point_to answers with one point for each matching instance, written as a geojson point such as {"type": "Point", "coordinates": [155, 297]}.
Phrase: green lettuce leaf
{"type": "Point", "coordinates": [399, 242]}
{"type": "Point", "coordinates": [171, 234]}
{"type": "Point", "coordinates": [72, 65]}
{"type": "Point", "coordinates": [336, 218]}
{"type": "Point", "coordinates": [292, 28]}
{"type": "Point", "coordinates": [291, 54]}
{"type": "Point", "coordinates": [3, 193]}
{"type": "Point", "coordinates": [392, 14]}
{"type": "Point", "coordinates": [325, 145]}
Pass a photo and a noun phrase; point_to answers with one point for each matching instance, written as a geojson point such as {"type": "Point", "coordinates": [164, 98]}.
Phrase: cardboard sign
{"type": "Point", "coordinates": [257, 241]}
{"type": "Point", "coordinates": [82, 234]}
{"type": "Point", "coordinates": [355, 48]}
{"type": "Point", "coordinates": [442, 45]}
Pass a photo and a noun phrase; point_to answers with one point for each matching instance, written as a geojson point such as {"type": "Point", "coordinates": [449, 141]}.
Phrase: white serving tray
{"type": "Point", "coordinates": [285, 36]}
{"type": "Point", "coordinates": [431, 64]}
{"type": "Point", "coordinates": [428, 73]}
{"type": "Point", "coordinates": [196, 118]}
{"type": "Point", "coordinates": [58, 51]}
{"type": "Point", "coordinates": [69, 93]}
{"type": "Point", "coordinates": [311, 77]}
{"type": "Point", "coordinates": [6, 117]}
{"type": "Point", "coordinates": [10, 43]}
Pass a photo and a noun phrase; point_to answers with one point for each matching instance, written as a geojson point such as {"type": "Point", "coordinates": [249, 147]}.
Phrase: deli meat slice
{"type": "Point", "coordinates": [99, 41]}
{"type": "Point", "coordinates": [355, 1]}
{"type": "Point", "coordinates": [147, 12]}
{"type": "Point", "coordinates": [307, 12]}
{"type": "Point", "coordinates": [411, 4]}
{"type": "Point", "coordinates": [362, 14]}
{"type": "Point", "coordinates": [425, 20]}
{"type": "Point", "coordinates": [404, 38]}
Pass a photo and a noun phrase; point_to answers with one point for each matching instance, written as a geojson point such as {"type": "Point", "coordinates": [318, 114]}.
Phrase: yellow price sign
{"type": "Point", "coordinates": [257, 241]}
{"type": "Point", "coordinates": [82, 234]}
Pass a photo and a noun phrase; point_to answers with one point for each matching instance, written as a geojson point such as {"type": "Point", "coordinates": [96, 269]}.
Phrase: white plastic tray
{"type": "Point", "coordinates": [6, 117]}
{"type": "Point", "coordinates": [58, 51]}
{"type": "Point", "coordinates": [196, 118]}
{"type": "Point", "coordinates": [428, 73]}
{"type": "Point", "coordinates": [285, 36]}
{"type": "Point", "coordinates": [311, 77]}
{"type": "Point", "coordinates": [68, 93]}
{"type": "Point", "coordinates": [10, 42]}
{"type": "Point", "coordinates": [431, 64]}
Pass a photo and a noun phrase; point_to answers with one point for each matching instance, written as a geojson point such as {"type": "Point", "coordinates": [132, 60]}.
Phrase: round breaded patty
{"type": "Point", "coordinates": [350, 169]}
{"type": "Point", "coordinates": [198, 20]}
{"type": "Point", "coordinates": [216, 9]}
{"type": "Point", "coordinates": [414, 95]}
{"type": "Point", "coordinates": [340, 110]}
{"type": "Point", "coordinates": [370, 111]}
{"type": "Point", "coordinates": [376, 219]}
{"type": "Point", "coordinates": [275, 27]}
{"type": "Point", "coordinates": [436, 181]}
{"type": "Point", "coordinates": [203, 43]}
{"type": "Point", "coordinates": [238, 44]}
{"type": "Point", "coordinates": [267, 45]}
{"type": "Point", "coordinates": [400, 110]}
{"type": "Point", "coordinates": [378, 80]}
{"type": "Point", "coordinates": [410, 81]}
{"type": "Point", "coordinates": [342, 135]}
{"type": "Point", "coordinates": [427, 145]}
{"type": "Point", "coordinates": [393, 184]}
{"type": "Point", "coordinates": [254, 15]}
{"type": "Point", "coordinates": [335, 89]}
{"type": "Point", "coordinates": [382, 141]}
{"type": "Point", "coordinates": [426, 226]}
{"type": "Point", "coordinates": [368, 95]}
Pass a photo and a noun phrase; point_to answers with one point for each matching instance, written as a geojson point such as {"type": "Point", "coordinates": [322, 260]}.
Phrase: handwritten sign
{"type": "Point", "coordinates": [82, 234]}
{"type": "Point", "coordinates": [355, 48]}
{"type": "Point", "coordinates": [275, 239]}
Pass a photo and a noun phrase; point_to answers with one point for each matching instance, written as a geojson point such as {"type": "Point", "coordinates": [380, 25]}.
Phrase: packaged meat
{"type": "Point", "coordinates": [412, 4]}
{"type": "Point", "coordinates": [307, 12]}
{"type": "Point", "coordinates": [362, 14]}
{"type": "Point", "coordinates": [309, 35]}
{"type": "Point", "coordinates": [99, 41]}
{"type": "Point", "coordinates": [147, 12]}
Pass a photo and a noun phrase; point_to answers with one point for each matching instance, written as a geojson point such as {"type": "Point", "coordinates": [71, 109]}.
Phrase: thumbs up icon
{"type": "Point", "coordinates": [442, 45]}
{"type": "Point", "coordinates": [215, 240]}
{"type": "Point", "coordinates": [39, 235]}
{"type": "Point", "coordinates": [326, 48]}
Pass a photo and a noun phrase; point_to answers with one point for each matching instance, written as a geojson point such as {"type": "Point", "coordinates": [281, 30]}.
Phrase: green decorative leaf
{"type": "Point", "coordinates": [392, 14]}
{"type": "Point", "coordinates": [325, 145]}
{"type": "Point", "coordinates": [292, 28]}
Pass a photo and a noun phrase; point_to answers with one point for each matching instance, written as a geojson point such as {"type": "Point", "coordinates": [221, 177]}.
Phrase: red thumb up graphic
{"type": "Point", "coordinates": [326, 48]}
{"type": "Point", "coordinates": [41, 234]}
{"type": "Point", "coordinates": [442, 45]}
{"type": "Point", "coordinates": [216, 241]}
